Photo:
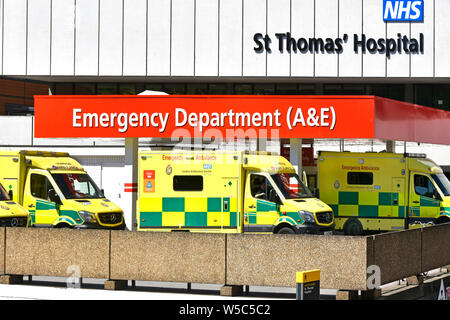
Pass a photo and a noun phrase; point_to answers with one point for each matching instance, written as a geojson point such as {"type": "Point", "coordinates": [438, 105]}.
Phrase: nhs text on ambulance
{"type": "Point", "coordinates": [403, 10]}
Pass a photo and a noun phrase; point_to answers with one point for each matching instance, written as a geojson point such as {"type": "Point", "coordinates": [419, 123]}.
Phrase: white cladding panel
{"type": "Point", "coordinates": [14, 36]}
{"type": "Point", "coordinates": [86, 26]}
{"type": "Point", "coordinates": [182, 58]}
{"type": "Point", "coordinates": [206, 40]}
{"type": "Point", "coordinates": [255, 21]}
{"type": "Point", "coordinates": [38, 46]}
{"type": "Point", "coordinates": [302, 25]}
{"type": "Point", "coordinates": [278, 21]}
{"type": "Point", "coordinates": [442, 38]}
{"type": "Point", "coordinates": [111, 37]}
{"type": "Point", "coordinates": [397, 65]}
{"type": "Point", "coordinates": [135, 38]}
{"type": "Point", "coordinates": [350, 63]}
{"type": "Point", "coordinates": [374, 64]}
{"type": "Point", "coordinates": [423, 65]}
{"type": "Point", "coordinates": [63, 38]}
{"type": "Point", "coordinates": [230, 38]}
{"type": "Point", "coordinates": [159, 37]}
{"type": "Point", "coordinates": [212, 38]}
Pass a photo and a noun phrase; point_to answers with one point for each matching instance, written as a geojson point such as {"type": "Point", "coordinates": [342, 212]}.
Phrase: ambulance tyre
{"type": "Point", "coordinates": [442, 220]}
{"type": "Point", "coordinates": [352, 227]}
{"type": "Point", "coordinates": [63, 225]}
{"type": "Point", "coordinates": [286, 230]}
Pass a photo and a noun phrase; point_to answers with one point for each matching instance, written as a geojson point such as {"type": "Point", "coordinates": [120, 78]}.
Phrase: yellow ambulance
{"type": "Point", "coordinates": [57, 191]}
{"type": "Point", "coordinates": [383, 191]}
{"type": "Point", "coordinates": [11, 214]}
{"type": "Point", "coordinates": [229, 192]}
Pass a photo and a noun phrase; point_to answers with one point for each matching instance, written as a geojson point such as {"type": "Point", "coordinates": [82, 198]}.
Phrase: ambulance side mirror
{"type": "Point", "coordinates": [436, 195]}
{"type": "Point", "coordinates": [10, 194]}
{"type": "Point", "coordinates": [273, 197]}
{"type": "Point", "coordinates": [54, 197]}
{"type": "Point", "coordinates": [316, 193]}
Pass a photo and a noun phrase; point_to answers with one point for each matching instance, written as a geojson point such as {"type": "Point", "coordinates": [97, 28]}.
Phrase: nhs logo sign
{"type": "Point", "coordinates": [403, 10]}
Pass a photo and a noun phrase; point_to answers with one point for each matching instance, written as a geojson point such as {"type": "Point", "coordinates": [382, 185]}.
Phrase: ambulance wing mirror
{"type": "Point", "coordinates": [54, 197]}
{"type": "Point", "coordinates": [316, 193]}
{"type": "Point", "coordinates": [436, 195]}
{"type": "Point", "coordinates": [273, 197]}
{"type": "Point", "coordinates": [10, 194]}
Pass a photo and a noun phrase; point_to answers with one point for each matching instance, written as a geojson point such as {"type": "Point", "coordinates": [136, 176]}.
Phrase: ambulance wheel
{"type": "Point", "coordinates": [352, 227]}
{"type": "Point", "coordinates": [286, 230]}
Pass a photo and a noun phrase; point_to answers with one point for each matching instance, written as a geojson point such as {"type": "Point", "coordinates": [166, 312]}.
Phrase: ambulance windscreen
{"type": "Point", "coordinates": [291, 186]}
{"type": "Point", "coordinates": [3, 194]}
{"type": "Point", "coordinates": [77, 186]}
{"type": "Point", "coordinates": [443, 183]}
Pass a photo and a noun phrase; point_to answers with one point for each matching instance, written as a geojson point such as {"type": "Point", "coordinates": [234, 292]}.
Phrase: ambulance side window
{"type": "Point", "coordinates": [260, 187]}
{"type": "Point", "coordinates": [423, 186]}
{"type": "Point", "coordinates": [360, 178]}
{"type": "Point", "coordinates": [40, 186]}
{"type": "Point", "coordinates": [187, 183]}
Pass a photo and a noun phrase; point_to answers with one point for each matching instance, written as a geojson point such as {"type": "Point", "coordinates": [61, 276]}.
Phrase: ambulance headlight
{"type": "Point", "coordinates": [307, 216]}
{"type": "Point", "coordinates": [88, 216]}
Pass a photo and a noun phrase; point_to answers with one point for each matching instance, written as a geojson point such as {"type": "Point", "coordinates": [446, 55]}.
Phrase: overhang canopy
{"type": "Point", "coordinates": [228, 117]}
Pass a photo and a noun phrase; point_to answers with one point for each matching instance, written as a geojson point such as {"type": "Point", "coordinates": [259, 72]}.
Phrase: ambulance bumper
{"type": "Point", "coordinates": [312, 229]}
{"type": "Point", "coordinates": [98, 226]}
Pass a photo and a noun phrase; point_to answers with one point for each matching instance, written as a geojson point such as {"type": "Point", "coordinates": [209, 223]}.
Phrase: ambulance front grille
{"type": "Point", "coordinates": [324, 217]}
{"type": "Point", "coordinates": [13, 222]}
{"type": "Point", "coordinates": [110, 218]}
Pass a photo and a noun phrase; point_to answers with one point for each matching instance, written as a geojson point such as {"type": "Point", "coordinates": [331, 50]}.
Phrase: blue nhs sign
{"type": "Point", "coordinates": [403, 10]}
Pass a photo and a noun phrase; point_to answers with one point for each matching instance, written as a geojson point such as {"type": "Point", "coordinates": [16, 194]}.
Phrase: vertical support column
{"type": "Point", "coordinates": [130, 180]}
{"type": "Point", "coordinates": [390, 146]}
{"type": "Point", "coordinates": [261, 144]}
{"type": "Point", "coordinates": [295, 154]}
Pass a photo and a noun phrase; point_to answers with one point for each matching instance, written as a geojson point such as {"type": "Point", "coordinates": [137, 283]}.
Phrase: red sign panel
{"type": "Point", "coordinates": [225, 117]}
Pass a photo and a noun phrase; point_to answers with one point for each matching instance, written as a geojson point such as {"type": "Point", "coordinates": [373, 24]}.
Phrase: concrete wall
{"type": "Point", "coordinates": [173, 257]}
{"type": "Point", "coordinates": [198, 38]}
{"type": "Point", "coordinates": [239, 259]}
{"type": "Point", "coordinates": [273, 260]}
{"type": "Point", "coordinates": [57, 252]}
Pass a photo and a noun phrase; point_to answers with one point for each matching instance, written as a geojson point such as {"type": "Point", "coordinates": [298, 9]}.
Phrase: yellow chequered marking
{"type": "Point", "coordinates": [233, 205]}
{"type": "Point", "coordinates": [196, 204]}
{"type": "Point", "coordinates": [331, 197]}
{"type": "Point", "coordinates": [386, 211]}
{"type": "Point", "coordinates": [368, 198]}
{"type": "Point", "coordinates": [215, 219]}
{"type": "Point", "coordinates": [151, 204]}
{"type": "Point", "coordinates": [173, 218]}
{"type": "Point", "coordinates": [348, 210]}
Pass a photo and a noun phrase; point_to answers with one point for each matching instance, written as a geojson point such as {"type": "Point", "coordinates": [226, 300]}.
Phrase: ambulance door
{"type": "Point", "coordinates": [424, 200]}
{"type": "Point", "coordinates": [37, 199]}
{"type": "Point", "coordinates": [260, 213]}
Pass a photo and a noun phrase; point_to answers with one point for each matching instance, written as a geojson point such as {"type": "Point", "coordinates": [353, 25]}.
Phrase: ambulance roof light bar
{"type": "Point", "coordinates": [415, 155]}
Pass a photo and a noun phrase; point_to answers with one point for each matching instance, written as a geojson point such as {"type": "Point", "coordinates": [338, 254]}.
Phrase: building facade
{"type": "Point", "coordinates": [295, 47]}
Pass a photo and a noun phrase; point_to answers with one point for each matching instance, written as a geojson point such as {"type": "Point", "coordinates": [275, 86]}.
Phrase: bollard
{"type": "Point", "coordinates": [308, 285]}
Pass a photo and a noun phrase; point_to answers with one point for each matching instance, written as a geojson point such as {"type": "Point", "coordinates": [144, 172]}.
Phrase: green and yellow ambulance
{"type": "Point", "coordinates": [230, 192]}
{"type": "Point", "coordinates": [11, 213]}
{"type": "Point", "coordinates": [57, 191]}
{"type": "Point", "coordinates": [383, 191]}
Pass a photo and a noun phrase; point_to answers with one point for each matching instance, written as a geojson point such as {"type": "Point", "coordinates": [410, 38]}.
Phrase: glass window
{"type": "Point", "coordinates": [423, 186]}
{"type": "Point", "coordinates": [261, 188]}
{"type": "Point", "coordinates": [243, 89]}
{"type": "Point", "coordinates": [175, 88]}
{"type": "Point", "coordinates": [107, 88]}
{"type": "Point", "coordinates": [264, 88]}
{"type": "Point", "coordinates": [128, 89]}
{"type": "Point", "coordinates": [188, 183]}
{"type": "Point", "coordinates": [443, 183]}
{"type": "Point", "coordinates": [360, 178]}
{"type": "Point", "coordinates": [84, 88]}
{"type": "Point", "coordinates": [40, 186]}
{"type": "Point", "coordinates": [197, 88]}
{"type": "Point", "coordinates": [286, 88]}
{"type": "Point", "coordinates": [290, 186]}
{"type": "Point", "coordinates": [217, 88]}
{"type": "Point", "coordinates": [3, 194]}
{"type": "Point", "coordinates": [77, 186]}
{"type": "Point", "coordinates": [306, 89]}
{"type": "Point", "coordinates": [63, 88]}
{"type": "Point", "coordinates": [154, 86]}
